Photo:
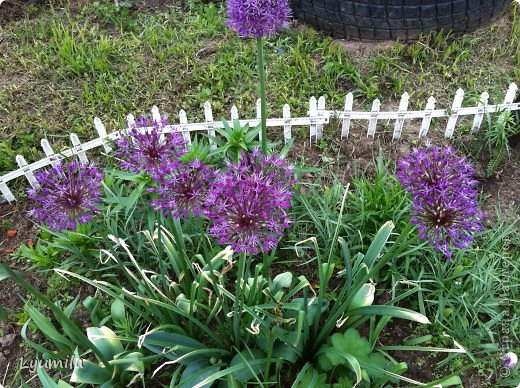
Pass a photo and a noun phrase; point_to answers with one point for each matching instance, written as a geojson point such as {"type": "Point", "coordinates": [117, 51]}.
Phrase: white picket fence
{"type": "Point", "coordinates": [317, 117]}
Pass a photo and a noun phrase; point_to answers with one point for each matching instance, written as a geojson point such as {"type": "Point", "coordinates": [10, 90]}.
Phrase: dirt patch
{"type": "Point", "coordinates": [422, 365]}
{"type": "Point", "coordinates": [17, 229]}
{"type": "Point", "coordinates": [11, 10]}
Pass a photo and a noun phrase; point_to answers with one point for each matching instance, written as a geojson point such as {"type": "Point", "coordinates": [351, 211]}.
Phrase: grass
{"type": "Point", "coordinates": [474, 297]}
{"type": "Point", "coordinates": [65, 65]}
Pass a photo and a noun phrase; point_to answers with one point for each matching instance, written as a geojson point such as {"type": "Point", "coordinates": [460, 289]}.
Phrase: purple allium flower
{"type": "Point", "coordinates": [510, 360]}
{"type": "Point", "coordinates": [257, 18]}
{"type": "Point", "coordinates": [67, 195]}
{"type": "Point", "coordinates": [435, 169]}
{"type": "Point", "coordinates": [445, 219]}
{"type": "Point", "coordinates": [249, 201]}
{"type": "Point", "coordinates": [185, 190]}
{"type": "Point", "coordinates": [149, 152]}
{"type": "Point", "coordinates": [444, 197]}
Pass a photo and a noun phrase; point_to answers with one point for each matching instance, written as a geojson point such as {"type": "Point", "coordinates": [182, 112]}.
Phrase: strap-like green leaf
{"type": "Point", "coordinates": [390, 311]}
{"type": "Point", "coordinates": [88, 372]}
{"type": "Point", "coordinates": [378, 244]}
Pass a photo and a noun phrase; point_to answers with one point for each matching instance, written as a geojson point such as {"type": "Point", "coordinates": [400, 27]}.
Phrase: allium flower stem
{"type": "Point", "coordinates": [239, 298]}
{"type": "Point", "coordinates": [263, 103]}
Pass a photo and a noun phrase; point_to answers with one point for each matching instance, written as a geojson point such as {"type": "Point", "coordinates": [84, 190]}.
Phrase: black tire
{"type": "Point", "coordinates": [396, 19]}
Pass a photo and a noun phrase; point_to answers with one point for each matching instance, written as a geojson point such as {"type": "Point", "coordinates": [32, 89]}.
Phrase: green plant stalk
{"type": "Point", "coordinates": [272, 338]}
{"type": "Point", "coordinates": [263, 103]}
{"type": "Point", "coordinates": [239, 299]}
{"type": "Point", "coordinates": [324, 278]}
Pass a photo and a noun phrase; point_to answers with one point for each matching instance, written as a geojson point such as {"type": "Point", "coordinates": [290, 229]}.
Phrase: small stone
{"type": "Point", "coordinates": [3, 362]}
{"type": "Point", "coordinates": [7, 340]}
{"type": "Point", "coordinates": [7, 352]}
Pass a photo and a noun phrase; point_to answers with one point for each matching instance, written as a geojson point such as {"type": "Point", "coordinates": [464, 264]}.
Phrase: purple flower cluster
{"type": "Point", "coordinates": [258, 18]}
{"type": "Point", "coordinates": [444, 196]}
{"type": "Point", "coordinates": [148, 151]}
{"type": "Point", "coordinates": [67, 195]}
{"type": "Point", "coordinates": [248, 203]}
{"type": "Point", "coordinates": [185, 190]}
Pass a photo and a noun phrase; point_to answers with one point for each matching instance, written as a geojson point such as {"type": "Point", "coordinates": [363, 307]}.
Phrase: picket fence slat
{"type": "Point", "coordinates": [130, 120]}
{"type": "Point", "coordinates": [482, 107]}
{"type": "Point", "coordinates": [317, 117]}
{"type": "Point", "coordinates": [47, 149]}
{"type": "Point", "coordinates": [313, 114]}
{"type": "Point", "coordinates": [156, 115]}
{"type": "Point", "coordinates": [510, 94]}
{"type": "Point", "coordinates": [102, 132]}
{"type": "Point", "coordinates": [345, 125]}
{"type": "Point", "coordinates": [374, 116]}
{"type": "Point", "coordinates": [452, 121]}
{"type": "Point", "coordinates": [427, 119]}
{"type": "Point", "coordinates": [321, 112]}
{"type": "Point", "coordinates": [208, 116]}
{"type": "Point", "coordinates": [403, 107]}
{"type": "Point", "coordinates": [20, 160]}
{"type": "Point", "coordinates": [6, 193]}
{"type": "Point", "coordinates": [234, 113]}
{"type": "Point", "coordinates": [287, 132]}
{"type": "Point", "coordinates": [183, 120]}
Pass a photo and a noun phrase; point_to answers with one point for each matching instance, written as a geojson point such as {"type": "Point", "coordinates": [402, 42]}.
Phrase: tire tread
{"type": "Point", "coordinates": [394, 19]}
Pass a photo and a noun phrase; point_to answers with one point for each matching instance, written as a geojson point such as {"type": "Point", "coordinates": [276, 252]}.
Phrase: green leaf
{"type": "Point", "coordinates": [45, 379]}
{"type": "Point", "coordinates": [48, 329]}
{"type": "Point", "coordinates": [70, 308]}
{"type": "Point", "coordinates": [249, 371]}
{"type": "Point", "coordinates": [88, 372]}
{"type": "Point", "coordinates": [378, 244]}
{"type": "Point", "coordinates": [48, 382]}
{"type": "Point", "coordinates": [4, 274]}
{"type": "Point", "coordinates": [117, 311]}
{"type": "Point", "coordinates": [297, 305]}
{"type": "Point", "coordinates": [230, 382]}
{"type": "Point", "coordinates": [173, 346]}
{"type": "Point", "coordinates": [343, 382]}
{"type": "Point", "coordinates": [280, 281]}
{"type": "Point", "coordinates": [332, 354]}
{"type": "Point", "coordinates": [106, 341]}
{"type": "Point", "coordinates": [3, 313]}
{"type": "Point", "coordinates": [364, 297]}
{"type": "Point", "coordinates": [390, 311]}
{"type": "Point", "coordinates": [455, 380]}
{"type": "Point", "coordinates": [44, 351]}
{"type": "Point", "coordinates": [131, 362]}
{"type": "Point", "coordinates": [92, 305]}
{"type": "Point", "coordinates": [312, 378]}
{"type": "Point", "coordinates": [197, 372]}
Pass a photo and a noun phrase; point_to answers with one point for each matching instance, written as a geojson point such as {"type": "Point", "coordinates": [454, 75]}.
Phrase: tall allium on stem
{"type": "Point", "coordinates": [249, 203]}
{"type": "Point", "coordinates": [258, 19]}
{"type": "Point", "coordinates": [185, 190]}
{"type": "Point", "coordinates": [149, 152]}
{"type": "Point", "coordinates": [444, 197]}
{"type": "Point", "coordinates": [67, 195]}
